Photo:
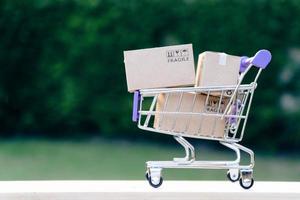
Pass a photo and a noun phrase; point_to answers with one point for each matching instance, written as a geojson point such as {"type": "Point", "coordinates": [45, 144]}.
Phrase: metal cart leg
{"type": "Point", "coordinates": [189, 150]}
{"type": "Point", "coordinates": [249, 152]}
{"type": "Point", "coordinates": [246, 171]}
{"type": "Point", "coordinates": [233, 173]}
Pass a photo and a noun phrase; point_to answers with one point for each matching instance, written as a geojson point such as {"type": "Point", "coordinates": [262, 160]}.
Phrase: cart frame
{"type": "Point", "coordinates": [240, 97]}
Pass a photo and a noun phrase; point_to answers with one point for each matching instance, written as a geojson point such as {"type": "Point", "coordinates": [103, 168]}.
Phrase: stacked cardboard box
{"type": "Point", "coordinates": [217, 69]}
{"type": "Point", "coordinates": [174, 66]}
{"type": "Point", "coordinates": [170, 66]}
{"type": "Point", "coordinates": [191, 124]}
{"type": "Point", "coordinates": [214, 69]}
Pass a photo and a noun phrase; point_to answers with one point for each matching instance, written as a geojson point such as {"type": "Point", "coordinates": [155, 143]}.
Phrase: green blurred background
{"type": "Point", "coordinates": [65, 112]}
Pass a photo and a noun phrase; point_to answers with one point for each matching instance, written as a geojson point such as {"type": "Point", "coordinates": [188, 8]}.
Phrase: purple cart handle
{"type": "Point", "coordinates": [135, 108]}
{"type": "Point", "coordinates": [261, 60]}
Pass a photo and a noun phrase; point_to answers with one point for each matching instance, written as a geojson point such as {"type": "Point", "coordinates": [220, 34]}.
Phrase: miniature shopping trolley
{"type": "Point", "coordinates": [214, 113]}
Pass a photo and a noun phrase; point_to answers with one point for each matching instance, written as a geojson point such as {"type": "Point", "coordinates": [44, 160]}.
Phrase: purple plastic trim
{"type": "Point", "coordinates": [235, 108]}
{"type": "Point", "coordinates": [261, 59]}
{"type": "Point", "coordinates": [232, 120]}
{"type": "Point", "coordinates": [244, 64]}
{"type": "Point", "coordinates": [136, 104]}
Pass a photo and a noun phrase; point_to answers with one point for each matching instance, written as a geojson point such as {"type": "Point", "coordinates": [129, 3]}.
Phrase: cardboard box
{"type": "Point", "coordinates": [217, 69]}
{"type": "Point", "coordinates": [169, 66]}
{"type": "Point", "coordinates": [211, 126]}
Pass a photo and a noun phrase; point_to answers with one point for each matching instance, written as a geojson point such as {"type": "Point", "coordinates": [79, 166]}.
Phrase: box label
{"type": "Point", "coordinates": [213, 106]}
{"type": "Point", "coordinates": [178, 55]}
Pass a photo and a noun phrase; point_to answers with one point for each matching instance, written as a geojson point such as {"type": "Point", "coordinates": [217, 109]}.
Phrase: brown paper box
{"type": "Point", "coordinates": [169, 66]}
{"type": "Point", "coordinates": [217, 69]}
{"type": "Point", "coordinates": [211, 126]}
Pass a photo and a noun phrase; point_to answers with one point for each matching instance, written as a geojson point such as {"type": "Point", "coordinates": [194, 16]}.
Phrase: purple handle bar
{"type": "Point", "coordinates": [261, 60]}
{"type": "Point", "coordinates": [135, 108]}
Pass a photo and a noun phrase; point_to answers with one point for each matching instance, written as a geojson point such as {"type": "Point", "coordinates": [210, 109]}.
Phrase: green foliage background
{"type": "Point", "coordinates": [62, 71]}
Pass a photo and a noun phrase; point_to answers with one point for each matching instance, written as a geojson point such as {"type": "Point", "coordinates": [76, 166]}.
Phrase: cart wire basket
{"type": "Point", "coordinates": [216, 113]}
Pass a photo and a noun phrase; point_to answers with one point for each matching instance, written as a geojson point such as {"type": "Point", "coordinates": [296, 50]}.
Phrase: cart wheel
{"type": "Point", "coordinates": [147, 175]}
{"type": "Point", "coordinates": [246, 183]}
{"type": "Point", "coordinates": [233, 175]}
{"type": "Point", "coordinates": [155, 182]}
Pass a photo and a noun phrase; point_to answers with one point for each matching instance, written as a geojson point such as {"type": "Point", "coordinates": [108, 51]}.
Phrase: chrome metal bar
{"type": "Point", "coordinates": [188, 149]}
{"type": "Point", "coordinates": [246, 116]}
{"type": "Point", "coordinates": [204, 111]}
{"type": "Point", "coordinates": [249, 152]}
{"type": "Point", "coordinates": [177, 109]}
{"type": "Point", "coordinates": [257, 75]}
{"type": "Point", "coordinates": [218, 111]}
{"type": "Point", "coordinates": [163, 109]}
{"type": "Point", "coordinates": [235, 149]}
{"type": "Point", "coordinates": [151, 109]}
{"type": "Point", "coordinates": [236, 88]}
{"type": "Point", "coordinates": [152, 92]}
{"type": "Point", "coordinates": [187, 113]}
{"type": "Point", "coordinates": [191, 148]}
{"type": "Point", "coordinates": [194, 165]}
{"type": "Point", "coordinates": [201, 164]}
{"type": "Point", "coordinates": [190, 117]}
{"type": "Point", "coordinates": [241, 111]}
{"type": "Point", "coordinates": [187, 135]}
{"type": "Point", "coordinates": [141, 108]}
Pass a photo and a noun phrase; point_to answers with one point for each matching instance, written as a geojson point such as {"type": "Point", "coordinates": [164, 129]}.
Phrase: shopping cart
{"type": "Point", "coordinates": [231, 109]}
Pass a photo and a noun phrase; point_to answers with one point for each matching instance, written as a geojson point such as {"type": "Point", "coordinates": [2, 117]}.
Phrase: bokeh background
{"type": "Point", "coordinates": [65, 112]}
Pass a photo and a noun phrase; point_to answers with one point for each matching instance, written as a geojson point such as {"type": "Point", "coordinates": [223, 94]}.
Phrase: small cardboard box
{"type": "Point", "coordinates": [203, 125]}
{"type": "Point", "coordinates": [217, 69]}
{"type": "Point", "coordinates": [168, 66]}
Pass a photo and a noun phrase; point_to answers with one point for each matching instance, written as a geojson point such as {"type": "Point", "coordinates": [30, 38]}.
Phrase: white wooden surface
{"type": "Point", "coordinates": [140, 190]}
